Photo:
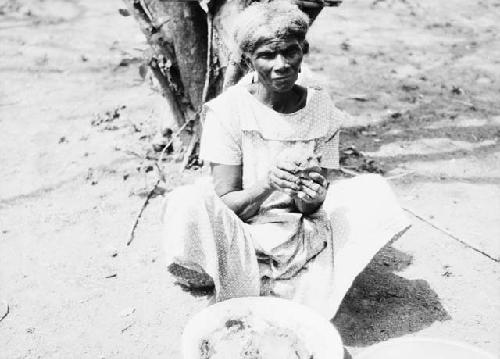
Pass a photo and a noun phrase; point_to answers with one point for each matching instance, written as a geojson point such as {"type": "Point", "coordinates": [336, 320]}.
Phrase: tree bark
{"type": "Point", "coordinates": [182, 50]}
{"type": "Point", "coordinates": [177, 35]}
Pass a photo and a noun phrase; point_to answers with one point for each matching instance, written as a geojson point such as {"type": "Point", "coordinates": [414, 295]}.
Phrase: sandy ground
{"type": "Point", "coordinates": [423, 80]}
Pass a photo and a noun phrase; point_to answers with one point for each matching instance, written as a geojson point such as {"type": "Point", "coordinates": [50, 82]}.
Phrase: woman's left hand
{"type": "Point", "coordinates": [314, 189]}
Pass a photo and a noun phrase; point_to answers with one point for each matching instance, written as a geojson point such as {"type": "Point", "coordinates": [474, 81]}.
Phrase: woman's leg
{"type": "Point", "coordinates": [202, 234]}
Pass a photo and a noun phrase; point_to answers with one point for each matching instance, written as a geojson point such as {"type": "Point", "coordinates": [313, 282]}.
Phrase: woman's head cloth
{"type": "Point", "coordinates": [261, 22]}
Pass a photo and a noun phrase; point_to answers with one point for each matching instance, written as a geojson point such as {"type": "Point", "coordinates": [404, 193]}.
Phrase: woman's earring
{"type": "Point", "coordinates": [255, 77]}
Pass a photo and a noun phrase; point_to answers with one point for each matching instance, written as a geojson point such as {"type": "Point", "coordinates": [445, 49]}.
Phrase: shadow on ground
{"type": "Point", "coordinates": [382, 305]}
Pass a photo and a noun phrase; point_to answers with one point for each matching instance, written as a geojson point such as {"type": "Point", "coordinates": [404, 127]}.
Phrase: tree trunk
{"type": "Point", "coordinates": [177, 34]}
{"type": "Point", "coordinates": [187, 38]}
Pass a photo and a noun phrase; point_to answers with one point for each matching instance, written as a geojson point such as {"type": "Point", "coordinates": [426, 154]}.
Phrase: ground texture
{"type": "Point", "coordinates": [422, 79]}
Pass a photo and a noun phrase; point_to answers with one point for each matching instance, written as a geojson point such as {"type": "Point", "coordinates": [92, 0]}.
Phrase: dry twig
{"type": "Point", "coordinates": [128, 327]}
{"type": "Point", "coordinates": [139, 215]}
{"type": "Point", "coordinates": [7, 311]}
{"type": "Point", "coordinates": [400, 175]}
{"type": "Point", "coordinates": [161, 178]}
{"type": "Point", "coordinates": [349, 172]}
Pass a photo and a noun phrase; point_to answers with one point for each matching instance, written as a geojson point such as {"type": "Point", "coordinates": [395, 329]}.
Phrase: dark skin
{"type": "Point", "coordinates": [277, 63]}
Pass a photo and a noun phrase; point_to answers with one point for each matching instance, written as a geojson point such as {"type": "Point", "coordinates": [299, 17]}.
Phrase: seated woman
{"type": "Point", "coordinates": [273, 219]}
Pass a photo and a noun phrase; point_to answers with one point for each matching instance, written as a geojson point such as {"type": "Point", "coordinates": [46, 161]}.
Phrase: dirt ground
{"type": "Point", "coordinates": [423, 81]}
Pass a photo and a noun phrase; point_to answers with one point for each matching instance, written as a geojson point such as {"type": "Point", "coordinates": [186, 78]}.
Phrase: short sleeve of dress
{"type": "Point", "coordinates": [329, 150]}
{"type": "Point", "coordinates": [220, 140]}
{"type": "Point", "coordinates": [329, 147]}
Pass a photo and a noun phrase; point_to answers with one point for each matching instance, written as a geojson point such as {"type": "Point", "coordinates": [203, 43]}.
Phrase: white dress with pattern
{"type": "Point", "coordinates": [312, 259]}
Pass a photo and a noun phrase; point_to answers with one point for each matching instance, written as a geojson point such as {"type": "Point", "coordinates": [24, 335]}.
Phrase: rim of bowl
{"type": "Point", "coordinates": [194, 330]}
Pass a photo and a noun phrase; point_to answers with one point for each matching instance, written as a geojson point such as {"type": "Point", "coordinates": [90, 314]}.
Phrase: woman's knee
{"type": "Point", "coordinates": [361, 191]}
{"type": "Point", "coordinates": [186, 198]}
{"type": "Point", "coordinates": [189, 199]}
{"type": "Point", "coordinates": [375, 186]}
{"type": "Point", "coordinates": [367, 184]}
{"type": "Point", "coordinates": [369, 180]}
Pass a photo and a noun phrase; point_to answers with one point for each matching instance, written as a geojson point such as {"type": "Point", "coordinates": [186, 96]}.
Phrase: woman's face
{"type": "Point", "coordinates": [277, 63]}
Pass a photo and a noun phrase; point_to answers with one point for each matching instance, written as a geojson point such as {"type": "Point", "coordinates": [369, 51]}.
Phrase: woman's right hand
{"type": "Point", "coordinates": [281, 177]}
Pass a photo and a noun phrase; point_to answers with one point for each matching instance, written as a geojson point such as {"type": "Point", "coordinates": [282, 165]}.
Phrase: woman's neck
{"type": "Point", "coordinates": [284, 102]}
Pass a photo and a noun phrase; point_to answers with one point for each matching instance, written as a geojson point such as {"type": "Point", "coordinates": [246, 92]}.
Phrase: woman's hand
{"type": "Point", "coordinates": [314, 189]}
{"type": "Point", "coordinates": [282, 178]}
{"type": "Point", "coordinates": [309, 186]}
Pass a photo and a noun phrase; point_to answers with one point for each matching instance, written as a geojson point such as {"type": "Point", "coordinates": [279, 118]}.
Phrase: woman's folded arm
{"type": "Point", "coordinates": [245, 203]}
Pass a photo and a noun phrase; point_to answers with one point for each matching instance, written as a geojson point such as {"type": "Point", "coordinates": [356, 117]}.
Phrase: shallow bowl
{"type": "Point", "coordinates": [317, 333]}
